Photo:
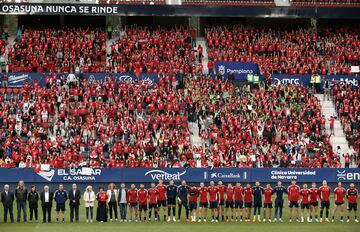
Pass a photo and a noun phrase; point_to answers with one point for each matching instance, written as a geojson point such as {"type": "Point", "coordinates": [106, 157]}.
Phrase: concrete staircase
{"type": "Point", "coordinates": [195, 139]}
{"type": "Point", "coordinates": [205, 59]}
{"type": "Point", "coordinates": [339, 139]}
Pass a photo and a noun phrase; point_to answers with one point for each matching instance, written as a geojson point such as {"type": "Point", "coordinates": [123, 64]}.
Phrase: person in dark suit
{"type": "Point", "coordinates": [21, 196]}
{"type": "Point", "coordinates": [46, 198]}
{"type": "Point", "coordinates": [7, 199]}
{"type": "Point", "coordinates": [74, 198]}
{"type": "Point", "coordinates": [33, 199]}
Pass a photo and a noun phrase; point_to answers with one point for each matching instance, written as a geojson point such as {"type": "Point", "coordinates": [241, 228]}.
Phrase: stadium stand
{"type": "Point", "coordinates": [65, 50]}
{"type": "Point", "coordinates": [346, 99]}
{"type": "Point", "coordinates": [279, 51]}
{"type": "Point", "coordinates": [141, 50]}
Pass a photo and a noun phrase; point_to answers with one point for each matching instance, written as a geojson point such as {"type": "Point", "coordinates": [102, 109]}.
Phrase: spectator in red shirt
{"type": "Point", "coordinates": [324, 192]}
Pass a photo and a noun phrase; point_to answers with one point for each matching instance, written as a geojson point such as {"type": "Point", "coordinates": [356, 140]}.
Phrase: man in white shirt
{"type": "Point", "coordinates": [46, 198]}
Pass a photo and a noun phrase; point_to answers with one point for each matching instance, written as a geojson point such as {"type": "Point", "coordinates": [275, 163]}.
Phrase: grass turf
{"type": "Point", "coordinates": [175, 226]}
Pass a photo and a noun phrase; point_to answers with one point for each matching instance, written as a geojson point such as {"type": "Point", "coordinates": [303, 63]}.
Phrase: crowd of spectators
{"type": "Point", "coordinates": [111, 124]}
{"type": "Point", "coordinates": [347, 104]}
{"type": "Point", "coordinates": [279, 126]}
{"type": "Point", "coordinates": [153, 51]}
{"type": "Point", "coordinates": [74, 122]}
{"type": "Point", "coordinates": [280, 51]}
{"type": "Point", "coordinates": [64, 50]}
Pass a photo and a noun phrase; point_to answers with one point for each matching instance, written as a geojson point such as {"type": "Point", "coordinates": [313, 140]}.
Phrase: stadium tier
{"type": "Point", "coordinates": [277, 51]}
{"type": "Point", "coordinates": [346, 101]}
{"type": "Point", "coordinates": [66, 50]}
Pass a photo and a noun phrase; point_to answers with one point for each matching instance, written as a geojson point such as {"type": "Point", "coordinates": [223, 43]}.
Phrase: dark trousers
{"type": "Point", "coordinates": [113, 207]}
{"type": "Point", "coordinates": [123, 208]}
{"type": "Point", "coordinates": [46, 209]}
{"type": "Point", "coordinates": [33, 212]}
{"type": "Point", "coordinates": [74, 209]}
{"type": "Point", "coordinates": [89, 212]}
{"type": "Point", "coordinates": [8, 209]}
{"type": "Point", "coordinates": [21, 206]}
{"type": "Point", "coordinates": [186, 206]}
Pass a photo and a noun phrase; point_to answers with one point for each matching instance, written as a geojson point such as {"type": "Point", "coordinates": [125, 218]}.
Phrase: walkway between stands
{"type": "Point", "coordinates": [202, 41]}
{"type": "Point", "coordinates": [339, 139]}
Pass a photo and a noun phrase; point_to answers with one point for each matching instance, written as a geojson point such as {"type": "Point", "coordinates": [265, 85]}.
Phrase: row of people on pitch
{"type": "Point", "coordinates": [46, 198]}
{"type": "Point", "coordinates": [227, 201]}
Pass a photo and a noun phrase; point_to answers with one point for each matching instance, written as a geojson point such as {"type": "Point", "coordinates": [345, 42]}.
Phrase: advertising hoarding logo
{"type": "Point", "coordinates": [47, 175]}
{"type": "Point", "coordinates": [163, 175]}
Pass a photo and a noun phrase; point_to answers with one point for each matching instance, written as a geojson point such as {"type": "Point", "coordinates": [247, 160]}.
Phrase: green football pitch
{"type": "Point", "coordinates": [175, 226]}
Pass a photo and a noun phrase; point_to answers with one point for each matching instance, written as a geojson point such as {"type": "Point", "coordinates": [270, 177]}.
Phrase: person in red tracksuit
{"type": "Point", "coordinates": [247, 192]}
{"type": "Point", "coordinates": [203, 204]}
{"type": "Point", "coordinates": [214, 201]}
{"type": "Point", "coordinates": [305, 202]}
{"type": "Point", "coordinates": [153, 194]}
{"type": "Point", "coordinates": [142, 198]}
{"type": "Point", "coordinates": [314, 203]}
{"type": "Point", "coordinates": [161, 188]}
{"type": "Point", "coordinates": [339, 193]}
{"type": "Point", "coordinates": [294, 197]}
{"type": "Point", "coordinates": [268, 192]}
{"type": "Point", "coordinates": [222, 190]}
{"type": "Point", "coordinates": [324, 192]}
{"type": "Point", "coordinates": [133, 202]}
{"type": "Point", "coordinates": [230, 202]}
{"type": "Point", "coordinates": [352, 195]}
{"type": "Point", "coordinates": [238, 202]}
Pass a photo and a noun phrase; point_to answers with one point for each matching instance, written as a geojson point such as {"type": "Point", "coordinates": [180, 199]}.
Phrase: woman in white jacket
{"type": "Point", "coordinates": [89, 198]}
{"type": "Point", "coordinates": [112, 201]}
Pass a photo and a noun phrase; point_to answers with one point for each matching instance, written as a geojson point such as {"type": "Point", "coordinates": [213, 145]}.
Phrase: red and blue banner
{"type": "Point", "coordinates": [195, 175]}
{"type": "Point", "coordinates": [18, 79]}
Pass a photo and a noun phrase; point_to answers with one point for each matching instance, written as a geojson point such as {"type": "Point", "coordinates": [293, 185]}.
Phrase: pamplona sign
{"type": "Point", "coordinates": [71, 9]}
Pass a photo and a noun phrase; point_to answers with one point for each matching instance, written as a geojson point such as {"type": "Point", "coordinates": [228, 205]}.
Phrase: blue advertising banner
{"type": "Point", "coordinates": [305, 79]}
{"type": "Point", "coordinates": [17, 80]}
{"type": "Point", "coordinates": [239, 69]}
{"type": "Point", "coordinates": [196, 175]}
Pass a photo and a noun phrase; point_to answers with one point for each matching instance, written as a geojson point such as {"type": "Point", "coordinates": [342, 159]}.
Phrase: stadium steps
{"type": "Point", "coordinates": [328, 109]}
{"type": "Point", "coordinates": [195, 139]}
{"type": "Point", "coordinates": [205, 59]}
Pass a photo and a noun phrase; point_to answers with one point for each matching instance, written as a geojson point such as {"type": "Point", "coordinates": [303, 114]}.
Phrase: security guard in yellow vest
{"type": "Point", "coordinates": [250, 79]}
{"type": "Point", "coordinates": [312, 82]}
{"type": "Point", "coordinates": [317, 83]}
{"type": "Point", "coordinates": [256, 80]}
